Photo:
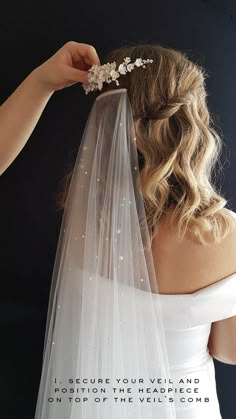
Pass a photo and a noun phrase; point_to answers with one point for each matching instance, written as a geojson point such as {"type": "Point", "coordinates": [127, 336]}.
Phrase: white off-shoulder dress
{"type": "Point", "coordinates": [188, 319]}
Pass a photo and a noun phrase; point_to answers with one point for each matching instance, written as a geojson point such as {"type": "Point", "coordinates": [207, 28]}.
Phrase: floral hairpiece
{"type": "Point", "coordinates": [98, 74]}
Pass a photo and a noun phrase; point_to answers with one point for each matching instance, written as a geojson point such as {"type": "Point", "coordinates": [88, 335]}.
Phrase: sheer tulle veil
{"type": "Point", "coordinates": [98, 330]}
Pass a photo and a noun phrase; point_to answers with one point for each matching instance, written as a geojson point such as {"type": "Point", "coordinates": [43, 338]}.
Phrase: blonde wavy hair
{"type": "Point", "coordinates": [177, 142]}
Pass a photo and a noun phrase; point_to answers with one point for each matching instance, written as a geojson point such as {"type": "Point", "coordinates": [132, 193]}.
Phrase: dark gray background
{"type": "Point", "coordinates": [30, 33]}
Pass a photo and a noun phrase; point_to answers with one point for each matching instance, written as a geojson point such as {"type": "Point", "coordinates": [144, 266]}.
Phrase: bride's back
{"type": "Point", "coordinates": [187, 266]}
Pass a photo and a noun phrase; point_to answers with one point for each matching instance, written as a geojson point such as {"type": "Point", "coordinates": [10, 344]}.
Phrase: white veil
{"type": "Point", "coordinates": [104, 316]}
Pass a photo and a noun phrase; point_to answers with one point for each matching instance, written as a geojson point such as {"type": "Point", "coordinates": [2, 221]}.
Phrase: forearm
{"type": "Point", "coordinates": [19, 115]}
{"type": "Point", "coordinates": [222, 340]}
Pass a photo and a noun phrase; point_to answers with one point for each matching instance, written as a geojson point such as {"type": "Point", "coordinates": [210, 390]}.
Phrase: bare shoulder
{"type": "Point", "coordinates": [176, 262]}
{"type": "Point", "coordinates": [232, 235]}
{"type": "Point", "coordinates": [227, 248]}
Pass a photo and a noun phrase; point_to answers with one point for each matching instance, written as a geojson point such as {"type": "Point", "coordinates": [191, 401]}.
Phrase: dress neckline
{"type": "Point", "coordinates": [201, 290]}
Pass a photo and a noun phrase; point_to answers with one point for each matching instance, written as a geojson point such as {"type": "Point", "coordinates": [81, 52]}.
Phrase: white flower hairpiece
{"type": "Point", "coordinates": [98, 74]}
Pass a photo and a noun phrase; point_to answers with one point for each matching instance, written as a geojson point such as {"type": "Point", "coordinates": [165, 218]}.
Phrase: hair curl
{"type": "Point", "coordinates": [178, 146]}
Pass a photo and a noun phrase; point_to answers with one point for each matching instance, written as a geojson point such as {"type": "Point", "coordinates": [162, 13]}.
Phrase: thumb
{"type": "Point", "coordinates": [78, 75]}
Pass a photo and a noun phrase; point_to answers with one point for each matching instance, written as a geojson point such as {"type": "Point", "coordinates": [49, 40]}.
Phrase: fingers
{"type": "Point", "coordinates": [78, 75]}
{"type": "Point", "coordinates": [88, 52]}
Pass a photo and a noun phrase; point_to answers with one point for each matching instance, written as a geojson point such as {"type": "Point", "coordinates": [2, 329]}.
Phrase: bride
{"type": "Point", "coordinates": [144, 280]}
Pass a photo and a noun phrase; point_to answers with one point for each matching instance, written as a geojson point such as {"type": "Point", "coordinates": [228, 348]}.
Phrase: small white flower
{"type": "Point", "coordinates": [122, 69]}
{"type": "Point", "coordinates": [130, 67]}
{"type": "Point", "coordinates": [138, 62]}
{"type": "Point", "coordinates": [127, 60]}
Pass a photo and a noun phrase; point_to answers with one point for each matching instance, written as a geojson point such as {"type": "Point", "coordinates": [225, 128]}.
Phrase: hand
{"type": "Point", "coordinates": [69, 65]}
